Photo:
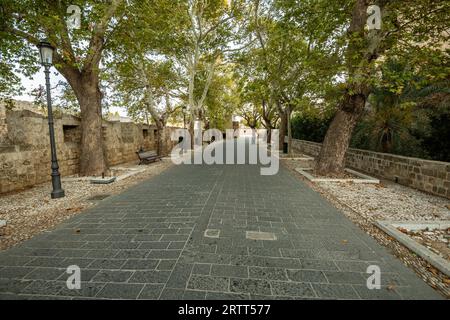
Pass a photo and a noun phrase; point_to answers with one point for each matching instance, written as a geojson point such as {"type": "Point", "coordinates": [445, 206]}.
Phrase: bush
{"type": "Point", "coordinates": [310, 127]}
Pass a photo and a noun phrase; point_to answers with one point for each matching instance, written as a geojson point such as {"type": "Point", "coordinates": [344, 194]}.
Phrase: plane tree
{"type": "Point", "coordinates": [411, 26]}
{"type": "Point", "coordinates": [144, 78]}
{"type": "Point", "coordinates": [78, 55]}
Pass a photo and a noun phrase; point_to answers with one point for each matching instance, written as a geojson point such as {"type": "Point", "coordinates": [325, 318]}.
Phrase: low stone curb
{"type": "Point", "coordinates": [103, 180]}
{"type": "Point", "coordinates": [363, 177]}
{"type": "Point", "coordinates": [390, 227]}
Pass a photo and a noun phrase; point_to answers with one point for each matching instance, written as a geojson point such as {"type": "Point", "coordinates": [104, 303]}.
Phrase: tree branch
{"type": "Point", "coordinates": [97, 42]}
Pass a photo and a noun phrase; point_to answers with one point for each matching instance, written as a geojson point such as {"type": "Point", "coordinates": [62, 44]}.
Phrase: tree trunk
{"type": "Point", "coordinates": [92, 159]}
{"type": "Point", "coordinates": [289, 130]}
{"type": "Point", "coordinates": [160, 138]}
{"type": "Point", "coordinates": [283, 128]}
{"type": "Point", "coordinates": [361, 51]}
{"type": "Point", "coordinates": [331, 160]}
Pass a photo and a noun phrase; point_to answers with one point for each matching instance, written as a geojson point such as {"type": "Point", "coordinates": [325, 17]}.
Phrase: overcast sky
{"type": "Point", "coordinates": [39, 79]}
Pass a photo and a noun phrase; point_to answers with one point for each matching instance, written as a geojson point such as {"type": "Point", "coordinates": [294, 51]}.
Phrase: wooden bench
{"type": "Point", "coordinates": [147, 157]}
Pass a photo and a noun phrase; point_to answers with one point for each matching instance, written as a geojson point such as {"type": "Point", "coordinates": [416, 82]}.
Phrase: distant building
{"type": "Point", "coordinates": [118, 118]}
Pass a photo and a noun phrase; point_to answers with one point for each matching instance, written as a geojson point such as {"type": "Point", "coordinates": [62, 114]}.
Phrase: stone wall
{"type": "Point", "coordinates": [429, 176]}
{"type": "Point", "coordinates": [24, 146]}
{"type": "Point", "coordinates": [3, 126]}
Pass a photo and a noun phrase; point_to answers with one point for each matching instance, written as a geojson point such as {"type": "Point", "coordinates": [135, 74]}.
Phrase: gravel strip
{"type": "Point", "coordinates": [31, 212]}
{"type": "Point", "coordinates": [389, 201]}
{"type": "Point", "coordinates": [364, 204]}
{"type": "Point", "coordinates": [436, 240]}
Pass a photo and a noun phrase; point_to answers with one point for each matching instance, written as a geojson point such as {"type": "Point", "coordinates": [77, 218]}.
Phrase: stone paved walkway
{"type": "Point", "coordinates": [149, 243]}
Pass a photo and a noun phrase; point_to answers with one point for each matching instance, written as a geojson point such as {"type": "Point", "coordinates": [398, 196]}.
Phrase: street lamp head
{"type": "Point", "coordinates": [46, 52]}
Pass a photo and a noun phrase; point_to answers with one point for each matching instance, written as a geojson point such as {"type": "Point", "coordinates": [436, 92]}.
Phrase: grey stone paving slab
{"type": "Point", "coordinates": [229, 271]}
{"type": "Point", "coordinates": [253, 286]}
{"type": "Point", "coordinates": [172, 294]}
{"type": "Point", "coordinates": [88, 290]}
{"type": "Point", "coordinates": [112, 276]}
{"type": "Point", "coordinates": [120, 291]}
{"type": "Point", "coordinates": [166, 265]}
{"type": "Point", "coordinates": [194, 295]}
{"type": "Point", "coordinates": [335, 291]}
{"type": "Point", "coordinates": [151, 291]}
{"type": "Point", "coordinates": [208, 283]}
{"type": "Point", "coordinates": [227, 296]}
{"type": "Point", "coordinates": [14, 272]}
{"type": "Point", "coordinates": [268, 273]}
{"type": "Point", "coordinates": [202, 268]}
{"type": "Point", "coordinates": [45, 273]}
{"type": "Point", "coordinates": [179, 276]}
{"type": "Point", "coordinates": [292, 289]}
{"type": "Point", "coordinates": [307, 276]}
{"type": "Point", "coordinates": [149, 243]}
{"type": "Point", "coordinates": [153, 276]}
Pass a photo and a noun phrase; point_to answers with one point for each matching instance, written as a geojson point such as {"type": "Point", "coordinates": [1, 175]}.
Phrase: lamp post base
{"type": "Point", "coordinates": [56, 194]}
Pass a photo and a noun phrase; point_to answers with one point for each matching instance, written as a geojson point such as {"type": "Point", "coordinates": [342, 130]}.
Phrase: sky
{"type": "Point", "coordinates": [39, 79]}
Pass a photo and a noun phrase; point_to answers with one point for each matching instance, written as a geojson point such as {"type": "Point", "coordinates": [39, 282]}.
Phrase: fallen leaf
{"type": "Point", "coordinates": [433, 270]}
{"type": "Point", "coordinates": [391, 287]}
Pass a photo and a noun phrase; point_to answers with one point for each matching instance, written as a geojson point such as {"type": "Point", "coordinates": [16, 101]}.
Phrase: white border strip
{"type": "Point", "coordinates": [390, 227]}
{"type": "Point", "coordinates": [364, 178]}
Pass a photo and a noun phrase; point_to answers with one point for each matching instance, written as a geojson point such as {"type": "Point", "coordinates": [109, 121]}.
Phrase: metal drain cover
{"type": "Point", "coordinates": [212, 233]}
{"type": "Point", "coordinates": [257, 235]}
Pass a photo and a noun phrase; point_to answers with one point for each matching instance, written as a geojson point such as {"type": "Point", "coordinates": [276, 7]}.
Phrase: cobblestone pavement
{"type": "Point", "coordinates": [186, 234]}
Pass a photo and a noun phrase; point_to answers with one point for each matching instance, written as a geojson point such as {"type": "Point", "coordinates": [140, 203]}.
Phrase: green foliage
{"type": "Point", "coordinates": [222, 99]}
{"type": "Point", "coordinates": [390, 129]}
{"type": "Point", "coordinates": [408, 112]}
{"type": "Point", "coordinates": [78, 52]}
{"type": "Point", "coordinates": [311, 124]}
{"type": "Point", "coordinates": [67, 101]}
{"type": "Point", "coordinates": [436, 144]}
{"type": "Point", "coordinates": [258, 58]}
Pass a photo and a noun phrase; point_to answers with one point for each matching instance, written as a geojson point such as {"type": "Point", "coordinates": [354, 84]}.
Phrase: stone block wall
{"type": "Point", "coordinates": [3, 125]}
{"type": "Point", "coordinates": [426, 175]}
{"type": "Point", "coordinates": [24, 146]}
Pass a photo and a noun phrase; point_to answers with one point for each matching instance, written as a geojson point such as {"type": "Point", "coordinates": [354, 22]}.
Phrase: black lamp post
{"type": "Point", "coordinates": [46, 52]}
{"type": "Point", "coordinates": [184, 117]}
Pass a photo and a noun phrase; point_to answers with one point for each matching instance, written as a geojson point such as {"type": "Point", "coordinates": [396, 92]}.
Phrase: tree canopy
{"type": "Point", "coordinates": [270, 61]}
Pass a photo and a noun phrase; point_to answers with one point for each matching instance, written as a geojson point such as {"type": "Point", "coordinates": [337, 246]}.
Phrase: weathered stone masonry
{"type": "Point", "coordinates": [429, 176]}
{"type": "Point", "coordinates": [24, 146]}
